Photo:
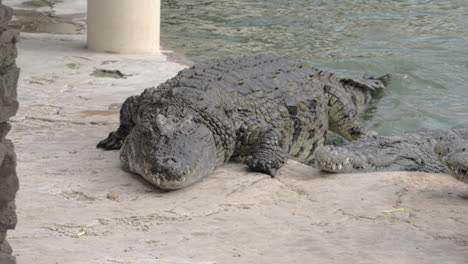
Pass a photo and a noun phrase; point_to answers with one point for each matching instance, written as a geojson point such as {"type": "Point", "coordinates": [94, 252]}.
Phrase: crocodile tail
{"type": "Point", "coordinates": [375, 82]}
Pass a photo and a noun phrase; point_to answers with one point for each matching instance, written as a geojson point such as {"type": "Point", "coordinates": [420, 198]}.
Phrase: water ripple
{"type": "Point", "coordinates": [422, 41]}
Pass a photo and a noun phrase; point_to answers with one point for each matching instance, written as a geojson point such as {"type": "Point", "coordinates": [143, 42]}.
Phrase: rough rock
{"type": "Point", "coordinates": [5, 15]}
{"type": "Point", "coordinates": [8, 96]}
{"type": "Point", "coordinates": [2, 235]}
{"type": "Point", "coordinates": [5, 247]}
{"type": "Point", "coordinates": [9, 184]}
{"type": "Point", "coordinates": [7, 259]}
{"type": "Point", "coordinates": [8, 217]}
{"type": "Point", "coordinates": [8, 179]}
{"type": "Point", "coordinates": [4, 129]}
{"type": "Point", "coordinates": [8, 51]}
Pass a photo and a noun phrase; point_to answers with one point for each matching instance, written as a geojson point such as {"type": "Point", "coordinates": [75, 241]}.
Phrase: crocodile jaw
{"type": "Point", "coordinates": [366, 158]}
{"type": "Point", "coordinates": [341, 160]}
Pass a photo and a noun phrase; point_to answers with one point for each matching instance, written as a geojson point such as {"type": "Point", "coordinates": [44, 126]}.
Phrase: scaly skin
{"type": "Point", "coordinates": [454, 155]}
{"type": "Point", "coordinates": [438, 151]}
{"type": "Point", "coordinates": [261, 109]}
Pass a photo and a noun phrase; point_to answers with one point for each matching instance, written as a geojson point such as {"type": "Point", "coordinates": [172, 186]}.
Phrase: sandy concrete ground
{"type": "Point", "coordinates": [233, 216]}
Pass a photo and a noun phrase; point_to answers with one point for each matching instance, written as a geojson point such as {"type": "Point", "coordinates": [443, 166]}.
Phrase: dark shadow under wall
{"type": "Point", "coordinates": [9, 74]}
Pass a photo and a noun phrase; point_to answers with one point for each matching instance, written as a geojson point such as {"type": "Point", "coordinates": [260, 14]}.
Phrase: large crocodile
{"type": "Point", "coordinates": [438, 151]}
{"type": "Point", "coordinates": [261, 109]}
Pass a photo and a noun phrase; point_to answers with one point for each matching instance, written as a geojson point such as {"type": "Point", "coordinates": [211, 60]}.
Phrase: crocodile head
{"type": "Point", "coordinates": [170, 151]}
{"type": "Point", "coordinates": [454, 155]}
{"type": "Point", "coordinates": [378, 153]}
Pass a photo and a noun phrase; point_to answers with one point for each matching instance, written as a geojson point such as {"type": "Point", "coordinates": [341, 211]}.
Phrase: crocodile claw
{"type": "Point", "coordinates": [271, 171]}
{"type": "Point", "coordinates": [262, 166]}
{"type": "Point", "coordinates": [111, 142]}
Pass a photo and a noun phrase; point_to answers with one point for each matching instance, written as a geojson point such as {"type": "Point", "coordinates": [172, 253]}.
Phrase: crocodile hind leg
{"type": "Point", "coordinates": [343, 115]}
{"type": "Point", "coordinates": [264, 145]}
{"type": "Point", "coordinates": [116, 138]}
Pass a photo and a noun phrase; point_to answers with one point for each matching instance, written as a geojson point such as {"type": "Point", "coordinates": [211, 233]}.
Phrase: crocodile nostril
{"type": "Point", "coordinates": [170, 161]}
{"type": "Point", "coordinates": [167, 165]}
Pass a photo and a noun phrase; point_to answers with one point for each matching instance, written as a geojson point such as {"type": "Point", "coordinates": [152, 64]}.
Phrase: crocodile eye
{"type": "Point", "coordinates": [463, 149]}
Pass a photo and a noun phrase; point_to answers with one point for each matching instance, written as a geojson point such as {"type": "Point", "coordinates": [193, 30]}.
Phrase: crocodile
{"type": "Point", "coordinates": [435, 151]}
{"type": "Point", "coordinates": [454, 155]}
{"type": "Point", "coordinates": [259, 109]}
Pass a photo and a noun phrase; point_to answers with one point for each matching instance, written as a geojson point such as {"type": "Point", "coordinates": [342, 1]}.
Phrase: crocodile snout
{"type": "Point", "coordinates": [171, 168]}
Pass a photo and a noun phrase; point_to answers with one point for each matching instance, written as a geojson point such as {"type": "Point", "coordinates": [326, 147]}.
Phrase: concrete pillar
{"type": "Point", "coordinates": [124, 26]}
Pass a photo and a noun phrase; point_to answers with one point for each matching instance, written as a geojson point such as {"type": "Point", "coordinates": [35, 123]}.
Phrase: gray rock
{"type": "Point", "coordinates": [8, 179]}
{"type": "Point", "coordinates": [8, 215]}
{"type": "Point", "coordinates": [7, 259]}
{"type": "Point", "coordinates": [4, 129]}
{"type": "Point", "coordinates": [5, 247]}
{"type": "Point", "coordinates": [8, 50]}
{"type": "Point", "coordinates": [8, 96]}
{"type": "Point", "coordinates": [3, 234]}
{"type": "Point", "coordinates": [5, 15]}
{"type": "Point", "coordinates": [9, 185]}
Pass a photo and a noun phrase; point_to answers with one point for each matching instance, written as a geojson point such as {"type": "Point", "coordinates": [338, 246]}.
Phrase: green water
{"type": "Point", "coordinates": [424, 42]}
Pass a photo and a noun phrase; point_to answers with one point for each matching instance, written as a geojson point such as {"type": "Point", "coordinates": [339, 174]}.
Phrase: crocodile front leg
{"type": "Point", "coordinates": [262, 145]}
{"type": "Point", "coordinates": [116, 138]}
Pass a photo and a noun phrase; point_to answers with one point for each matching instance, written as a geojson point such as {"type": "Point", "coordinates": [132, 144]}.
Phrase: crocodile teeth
{"type": "Point", "coordinates": [340, 166]}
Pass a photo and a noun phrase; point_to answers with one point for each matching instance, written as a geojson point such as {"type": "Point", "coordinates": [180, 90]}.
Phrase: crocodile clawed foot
{"type": "Point", "coordinates": [264, 166]}
{"type": "Point", "coordinates": [112, 142]}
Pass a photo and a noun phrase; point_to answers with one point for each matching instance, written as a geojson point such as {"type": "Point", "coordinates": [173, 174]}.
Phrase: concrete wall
{"type": "Point", "coordinates": [8, 106]}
